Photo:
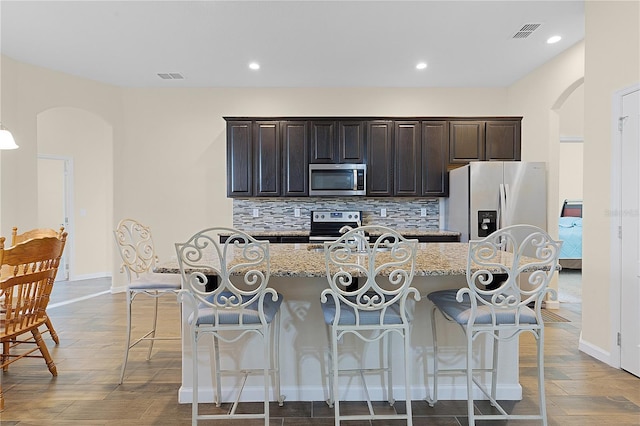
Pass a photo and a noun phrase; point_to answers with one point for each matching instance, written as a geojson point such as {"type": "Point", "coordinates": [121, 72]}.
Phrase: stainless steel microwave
{"type": "Point", "coordinates": [337, 179]}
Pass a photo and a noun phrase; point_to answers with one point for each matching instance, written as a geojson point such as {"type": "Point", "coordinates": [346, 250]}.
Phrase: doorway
{"type": "Point", "coordinates": [570, 188]}
{"type": "Point", "coordinates": [54, 202]}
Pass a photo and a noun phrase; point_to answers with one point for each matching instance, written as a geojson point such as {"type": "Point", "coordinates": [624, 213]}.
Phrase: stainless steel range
{"type": "Point", "coordinates": [326, 225]}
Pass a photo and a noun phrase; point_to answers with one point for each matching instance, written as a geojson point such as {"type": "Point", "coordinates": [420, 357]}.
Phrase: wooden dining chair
{"type": "Point", "coordinates": [27, 273]}
{"type": "Point", "coordinates": [508, 276]}
{"type": "Point", "coordinates": [38, 233]}
{"type": "Point", "coordinates": [34, 233]}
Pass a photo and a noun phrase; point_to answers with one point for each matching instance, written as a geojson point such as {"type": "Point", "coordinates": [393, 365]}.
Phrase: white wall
{"type": "Point", "coordinates": [571, 171]}
{"type": "Point", "coordinates": [571, 114]}
{"type": "Point", "coordinates": [88, 140]}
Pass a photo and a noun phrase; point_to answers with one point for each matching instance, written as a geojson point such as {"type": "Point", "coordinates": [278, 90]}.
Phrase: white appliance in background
{"type": "Point", "coordinates": [489, 195]}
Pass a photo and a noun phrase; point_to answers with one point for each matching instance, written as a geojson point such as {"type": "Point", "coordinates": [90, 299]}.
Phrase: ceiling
{"type": "Point", "coordinates": [297, 43]}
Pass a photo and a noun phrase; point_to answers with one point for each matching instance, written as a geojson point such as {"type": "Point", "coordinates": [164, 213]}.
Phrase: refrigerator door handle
{"type": "Point", "coordinates": [508, 214]}
{"type": "Point", "coordinates": [502, 209]}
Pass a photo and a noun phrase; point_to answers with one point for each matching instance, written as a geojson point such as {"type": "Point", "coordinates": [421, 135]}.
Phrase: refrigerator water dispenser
{"type": "Point", "coordinates": [487, 222]}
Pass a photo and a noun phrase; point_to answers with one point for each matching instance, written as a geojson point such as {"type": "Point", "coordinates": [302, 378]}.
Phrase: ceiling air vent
{"type": "Point", "coordinates": [170, 76]}
{"type": "Point", "coordinates": [526, 30]}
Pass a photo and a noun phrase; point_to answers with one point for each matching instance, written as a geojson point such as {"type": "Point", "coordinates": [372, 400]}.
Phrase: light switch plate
{"type": "Point", "coordinates": [383, 212]}
{"type": "Point", "coordinates": [256, 212]}
{"type": "Point", "coordinates": [296, 212]}
{"type": "Point", "coordinates": [423, 212]}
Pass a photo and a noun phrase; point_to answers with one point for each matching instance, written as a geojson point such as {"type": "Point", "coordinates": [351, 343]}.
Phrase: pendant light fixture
{"type": "Point", "coordinates": [6, 139]}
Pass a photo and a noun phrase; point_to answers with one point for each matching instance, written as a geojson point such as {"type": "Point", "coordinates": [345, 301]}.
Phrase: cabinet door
{"type": "Point", "coordinates": [267, 156]}
{"type": "Point", "coordinates": [295, 146]}
{"type": "Point", "coordinates": [435, 144]}
{"type": "Point", "coordinates": [323, 146]}
{"type": "Point", "coordinates": [380, 158]}
{"type": "Point", "coordinates": [407, 171]}
{"type": "Point", "coordinates": [239, 157]}
{"type": "Point", "coordinates": [466, 141]}
{"type": "Point", "coordinates": [350, 142]}
{"type": "Point", "coordinates": [502, 139]}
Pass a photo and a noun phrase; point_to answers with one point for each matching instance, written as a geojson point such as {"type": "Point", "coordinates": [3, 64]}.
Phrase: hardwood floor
{"type": "Point", "coordinates": [580, 390]}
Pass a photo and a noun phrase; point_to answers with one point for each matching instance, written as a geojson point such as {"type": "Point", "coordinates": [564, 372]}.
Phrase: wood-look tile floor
{"type": "Point", "coordinates": [580, 389]}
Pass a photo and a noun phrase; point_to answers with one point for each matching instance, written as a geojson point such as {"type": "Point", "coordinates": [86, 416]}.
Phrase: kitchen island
{"type": "Point", "coordinates": [298, 273]}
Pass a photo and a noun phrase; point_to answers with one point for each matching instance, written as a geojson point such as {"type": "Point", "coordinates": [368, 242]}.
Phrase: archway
{"type": "Point", "coordinates": [87, 139]}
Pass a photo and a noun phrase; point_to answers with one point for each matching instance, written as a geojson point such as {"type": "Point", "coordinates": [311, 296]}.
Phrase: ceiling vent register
{"type": "Point", "coordinates": [526, 30]}
{"type": "Point", "coordinates": [170, 76]}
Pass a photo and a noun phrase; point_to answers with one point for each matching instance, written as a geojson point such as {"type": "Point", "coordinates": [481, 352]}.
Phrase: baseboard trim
{"type": "Point", "coordinates": [595, 352]}
{"type": "Point", "coordinates": [90, 276]}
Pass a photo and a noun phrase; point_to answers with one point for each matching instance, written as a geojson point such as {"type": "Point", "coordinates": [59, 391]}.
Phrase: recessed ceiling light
{"type": "Point", "coordinates": [421, 65]}
{"type": "Point", "coordinates": [554, 39]}
{"type": "Point", "coordinates": [254, 66]}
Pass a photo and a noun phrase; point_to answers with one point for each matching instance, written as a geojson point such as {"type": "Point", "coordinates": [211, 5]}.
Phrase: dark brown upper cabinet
{"type": "Point", "coordinates": [502, 140]}
{"type": "Point", "coordinates": [239, 159]}
{"type": "Point", "coordinates": [466, 141]}
{"type": "Point", "coordinates": [435, 151]}
{"type": "Point", "coordinates": [323, 141]}
{"type": "Point", "coordinates": [351, 141]}
{"type": "Point", "coordinates": [336, 142]}
{"type": "Point", "coordinates": [379, 158]}
{"type": "Point", "coordinates": [484, 140]}
{"type": "Point", "coordinates": [295, 151]}
{"type": "Point", "coordinates": [267, 155]}
{"type": "Point", "coordinates": [407, 153]}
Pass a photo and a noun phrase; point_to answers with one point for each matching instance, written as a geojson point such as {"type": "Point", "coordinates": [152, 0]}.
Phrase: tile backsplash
{"type": "Point", "coordinates": [278, 214]}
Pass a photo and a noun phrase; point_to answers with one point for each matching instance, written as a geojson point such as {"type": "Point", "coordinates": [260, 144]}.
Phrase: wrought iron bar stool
{"type": "Point", "coordinates": [226, 296]}
{"type": "Point", "coordinates": [380, 309]}
{"type": "Point", "coordinates": [136, 248]}
{"type": "Point", "coordinates": [508, 274]}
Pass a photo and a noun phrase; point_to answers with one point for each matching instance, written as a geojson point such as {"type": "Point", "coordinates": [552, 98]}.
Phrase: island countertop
{"type": "Point", "coordinates": [307, 260]}
{"type": "Point", "coordinates": [407, 232]}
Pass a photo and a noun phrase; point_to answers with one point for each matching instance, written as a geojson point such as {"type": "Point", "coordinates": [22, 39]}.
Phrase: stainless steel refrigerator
{"type": "Point", "coordinates": [489, 195]}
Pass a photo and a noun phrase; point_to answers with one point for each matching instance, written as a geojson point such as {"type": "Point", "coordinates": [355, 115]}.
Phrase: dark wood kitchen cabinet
{"type": "Point", "coordinates": [484, 140]}
{"type": "Point", "coordinates": [351, 141]}
{"type": "Point", "coordinates": [435, 151]}
{"type": "Point", "coordinates": [323, 135]}
{"type": "Point", "coordinates": [421, 149]}
{"type": "Point", "coordinates": [267, 158]}
{"type": "Point", "coordinates": [267, 155]}
{"type": "Point", "coordinates": [239, 159]}
{"type": "Point", "coordinates": [295, 158]}
{"type": "Point", "coordinates": [466, 141]}
{"type": "Point", "coordinates": [380, 158]}
{"type": "Point", "coordinates": [502, 140]}
{"type": "Point", "coordinates": [337, 142]}
{"type": "Point", "coordinates": [407, 150]}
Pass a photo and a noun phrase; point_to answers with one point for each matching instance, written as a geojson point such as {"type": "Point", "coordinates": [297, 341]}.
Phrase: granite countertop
{"type": "Point", "coordinates": [292, 232]}
{"type": "Point", "coordinates": [307, 260]}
